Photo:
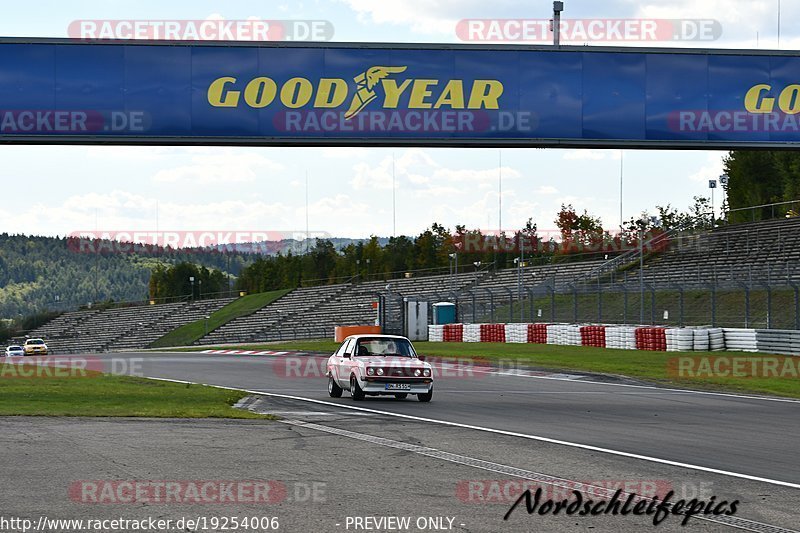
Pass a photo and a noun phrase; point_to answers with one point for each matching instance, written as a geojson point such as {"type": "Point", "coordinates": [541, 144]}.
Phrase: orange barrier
{"type": "Point", "coordinates": [342, 332]}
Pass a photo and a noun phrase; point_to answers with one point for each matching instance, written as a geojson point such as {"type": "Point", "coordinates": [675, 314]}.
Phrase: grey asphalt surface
{"type": "Point", "coordinates": [749, 436]}
{"type": "Point", "coordinates": [364, 464]}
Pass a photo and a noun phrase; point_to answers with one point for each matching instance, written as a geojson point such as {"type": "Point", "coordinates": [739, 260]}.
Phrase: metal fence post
{"type": "Point", "coordinates": [599, 303]}
{"type": "Point", "coordinates": [652, 305]}
{"type": "Point", "coordinates": [529, 290]}
{"type": "Point", "coordinates": [474, 306]}
{"type": "Point", "coordinates": [624, 304]}
{"type": "Point", "coordinates": [796, 304]}
{"type": "Point", "coordinates": [769, 306]}
{"type": "Point", "coordinates": [574, 304]}
{"type": "Point", "coordinates": [747, 306]}
{"type": "Point", "coordinates": [714, 305]}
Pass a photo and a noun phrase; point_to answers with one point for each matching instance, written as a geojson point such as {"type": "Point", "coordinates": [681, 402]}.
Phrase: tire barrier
{"type": "Point", "coordinates": [517, 333]}
{"type": "Point", "coordinates": [701, 341]}
{"type": "Point", "coordinates": [651, 339]}
{"type": "Point", "coordinates": [537, 333]}
{"type": "Point", "coordinates": [716, 338]}
{"type": "Point", "coordinates": [783, 342]}
{"type": "Point", "coordinates": [564, 335]}
{"type": "Point", "coordinates": [680, 339]}
{"type": "Point", "coordinates": [472, 333]}
{"type": "Point", "coordinates": [621, 337]}
{"type": "Point", "coordinates": [453, 332]}
{"type": "Point", "coordinates": [741, 340]}
{"type": "Point", "coordinates": [593, 336]}
{"type": "Point", "coordinates": [493, 333]}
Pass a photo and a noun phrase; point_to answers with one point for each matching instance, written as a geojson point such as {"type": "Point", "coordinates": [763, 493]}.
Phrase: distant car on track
{"type": "Point", "coordinates": [35, 347]}
{"type": "Point", "coordinates": [378, 365]}
{"type": "Point", "coordinates": [14, 351]}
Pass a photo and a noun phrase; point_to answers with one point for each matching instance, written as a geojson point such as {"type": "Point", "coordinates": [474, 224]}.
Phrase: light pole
{"type": "Point", "coordinates": [358, 270]}
{"type": "Point", "coordinates": [369, 261]}
{"type": "Point", "coordinates": [641, 271]}
{"type": "Point", "coordinates": [712, 184]}
{"type": "Point", "coordinates": [518, 262]}
{"type": "Point", "coordinates": [477, 267]}
{"type": "Point", "coordinates": [191, 281]}
{"type": "Point", "coordinates": [207, 317]}
{"type": "Point", "coordinates": [723, 180]}
{"type": "Point", "coordinates": [453, 259]}
{"type": "Point", "coordinates": [199, 289]}
{"type": "Point", "coordinates": [558, 7]}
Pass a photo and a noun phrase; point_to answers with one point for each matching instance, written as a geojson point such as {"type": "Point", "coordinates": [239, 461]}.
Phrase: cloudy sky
{"type": "Point", "coordinates": [59, 190]}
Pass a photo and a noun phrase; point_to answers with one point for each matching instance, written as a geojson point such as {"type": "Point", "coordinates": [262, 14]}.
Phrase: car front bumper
{"type": "Point", "coordinates": [374, 385]}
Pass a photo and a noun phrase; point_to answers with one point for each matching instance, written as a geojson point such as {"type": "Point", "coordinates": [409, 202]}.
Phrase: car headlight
{"type": "Point", "coordinates": [370, 371]}
{"type": "Point", "coordinates": [426, 372]}
{"type": "Point", "coordinates": [380, 371]}
{"type": "Point", "coordinates": [418, 372]}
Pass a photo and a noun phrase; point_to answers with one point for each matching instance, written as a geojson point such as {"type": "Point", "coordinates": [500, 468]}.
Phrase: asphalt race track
{"type": "Point", "coordinates": [466, 456]}
{"type": "Point", "coordinates": [747, 436]}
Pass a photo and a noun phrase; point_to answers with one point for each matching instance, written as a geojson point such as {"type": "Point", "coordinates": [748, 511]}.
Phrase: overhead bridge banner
{"type": "Point", "coordinates": [218, 93]}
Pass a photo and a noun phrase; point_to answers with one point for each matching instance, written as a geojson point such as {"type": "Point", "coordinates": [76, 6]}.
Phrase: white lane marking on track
{"type": "Point", "coordinates": [504, 432]}
{"type": "Point", "coordinates": [732, 521]}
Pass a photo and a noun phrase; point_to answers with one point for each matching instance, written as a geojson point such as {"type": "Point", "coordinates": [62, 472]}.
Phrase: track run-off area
{"type": "Point", "coordinates": [741, 436]}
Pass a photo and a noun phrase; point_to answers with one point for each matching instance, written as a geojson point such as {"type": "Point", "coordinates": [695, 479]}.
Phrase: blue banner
{"type": "Point", "coordinates": [395, 94]}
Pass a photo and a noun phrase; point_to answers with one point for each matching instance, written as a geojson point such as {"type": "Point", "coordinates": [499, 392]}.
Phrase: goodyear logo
{"type": "Point", "coordinates": [374, 84]}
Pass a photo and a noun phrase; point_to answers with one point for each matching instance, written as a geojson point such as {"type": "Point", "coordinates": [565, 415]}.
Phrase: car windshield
{"type": "Point", "coordinates": [14, 348]}
{"type": "Point", "coordinates": [35, 341]}
{"type": "Point", "coordinates": [385, 347]}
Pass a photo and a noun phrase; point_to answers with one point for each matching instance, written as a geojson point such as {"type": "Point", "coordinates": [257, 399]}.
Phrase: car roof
{"type": "Point", "coordinates": [375, 336]}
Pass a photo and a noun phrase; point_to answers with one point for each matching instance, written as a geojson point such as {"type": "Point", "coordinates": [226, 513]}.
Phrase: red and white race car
{"type": "Point", "coordinates": [379, 365]}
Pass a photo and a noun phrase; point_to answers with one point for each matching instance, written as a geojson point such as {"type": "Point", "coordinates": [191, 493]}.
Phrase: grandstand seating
{"type": "Point", "coordinates": [127, 327]}
{"type": "Point", "coordinates": [754, 252]}
{"type": "Point", "coordinates": [748, 253]}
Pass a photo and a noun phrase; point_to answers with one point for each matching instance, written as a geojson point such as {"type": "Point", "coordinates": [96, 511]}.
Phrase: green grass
{"type": "Point", "coordinates": [648, 366]}
{"type": "Point", "coordinates": [102, 395]}
{"type": "Point", "coordinates": [188, 333]}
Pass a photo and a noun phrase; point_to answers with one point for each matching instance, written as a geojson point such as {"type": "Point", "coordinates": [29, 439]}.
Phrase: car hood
{"type": "Point", "coordinates": [399, 362]}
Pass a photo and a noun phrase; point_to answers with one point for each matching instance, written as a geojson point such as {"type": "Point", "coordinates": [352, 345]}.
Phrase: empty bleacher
{"type": "Point", "coordinates": [750, 253]}
{"type": "Point", "coordinates": [99, 330]}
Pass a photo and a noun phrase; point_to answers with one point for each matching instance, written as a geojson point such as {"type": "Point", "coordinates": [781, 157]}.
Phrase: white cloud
{"type": "Point", "coordinates": [345, 152]}
{"type": "Point", "coordinates": [591, 155]}
{"type": "Point", "coordinates": [225, 167]}
{"type": "Point", "coordinates": [712, 169]}
{"type": "Point", "coordinates": [423, 16]}
{"type": "Point", "coordinates": [372, 177]}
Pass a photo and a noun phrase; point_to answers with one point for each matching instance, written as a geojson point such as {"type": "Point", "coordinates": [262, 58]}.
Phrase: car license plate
{"type": "Point", "coordinates": [398, 386]}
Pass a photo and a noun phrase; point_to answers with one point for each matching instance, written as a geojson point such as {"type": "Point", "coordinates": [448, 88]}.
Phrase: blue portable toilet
{"type": "Point", "coordinates": [444, 313]}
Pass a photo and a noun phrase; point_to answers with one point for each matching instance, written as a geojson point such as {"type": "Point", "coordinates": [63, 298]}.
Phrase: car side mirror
{"type": "Point", "coordinates": [346, 355]}
{"type": "Point", "coordinates": [421, 358]}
